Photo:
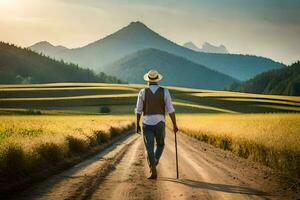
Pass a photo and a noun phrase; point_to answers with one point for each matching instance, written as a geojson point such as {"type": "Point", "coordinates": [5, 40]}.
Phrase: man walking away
{"type": "Point", "coordinates": [153, 101]}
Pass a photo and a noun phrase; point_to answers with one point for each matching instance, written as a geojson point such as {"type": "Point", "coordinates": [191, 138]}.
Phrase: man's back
{"type": "Point", "coordinates": [153, 118]}
{"type": "Point", "coordinates": [154, 103]}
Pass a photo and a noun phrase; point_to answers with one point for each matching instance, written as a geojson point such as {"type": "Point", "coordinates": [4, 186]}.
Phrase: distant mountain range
{"type": "Point", "coordinates": [137, 36]}
{"type": "Point", "coordinates": [22, 66]}
{"type": "Point", "coordinates": [48, 48]}
{"type": "Point", "coordinates": [177, 71]}
{"type": "Point", "coordinates": [284, 81]}
{"type": "Point", "coordinates": [206, 47]}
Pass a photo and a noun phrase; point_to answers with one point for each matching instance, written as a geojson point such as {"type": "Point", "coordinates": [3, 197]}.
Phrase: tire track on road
{"type": "Point", "coordinates": [78, 182]}
{"type": "Point", "coordinates": [129, 180]}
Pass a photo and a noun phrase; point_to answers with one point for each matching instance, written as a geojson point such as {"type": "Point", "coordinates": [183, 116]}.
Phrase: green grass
{"type": "Point", "coordinates": [235, 104]}
{"type": "Point", "coordinates": [65, 85]}
{"type": "Point", "coordinates": [61, 92]}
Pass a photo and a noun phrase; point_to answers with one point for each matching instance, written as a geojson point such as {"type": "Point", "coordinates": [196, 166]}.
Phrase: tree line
{"type": "Point", "coordinates": [283, 81]}
{"type": "Point", "coordinates": [23, 66]}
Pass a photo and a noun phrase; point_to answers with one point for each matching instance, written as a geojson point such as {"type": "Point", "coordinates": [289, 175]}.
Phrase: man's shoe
{"type": "Point", "coordinates": [153, 174]}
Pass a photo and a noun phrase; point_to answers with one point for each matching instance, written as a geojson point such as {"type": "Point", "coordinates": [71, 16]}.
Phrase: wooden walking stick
{"type": "Point", "coordinates": [177, 173]}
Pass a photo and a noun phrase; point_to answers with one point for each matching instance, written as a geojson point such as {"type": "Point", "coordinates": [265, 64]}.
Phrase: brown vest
{"type": "Point", "coordinates": [154, 103]}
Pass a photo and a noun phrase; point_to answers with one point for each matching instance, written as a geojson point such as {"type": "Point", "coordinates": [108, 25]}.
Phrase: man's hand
{"type": "Point", "coordinates": [138, 129]}
{"type": "Point", "coordinates": [175, 128]}
{"type": "Point", "coordinates": [173, 118]}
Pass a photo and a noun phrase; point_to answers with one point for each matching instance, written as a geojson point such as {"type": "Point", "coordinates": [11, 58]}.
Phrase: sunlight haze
{"type": "Point", "coordinates": [263, 28]}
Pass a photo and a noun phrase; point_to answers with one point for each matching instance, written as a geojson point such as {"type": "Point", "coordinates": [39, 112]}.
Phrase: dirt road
{"type": "Point", "coordinates": [120, 172]}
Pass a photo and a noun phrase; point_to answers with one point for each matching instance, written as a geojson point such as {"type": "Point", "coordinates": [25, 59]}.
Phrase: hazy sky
{"type": "Point", "coordinates": [268, 28]}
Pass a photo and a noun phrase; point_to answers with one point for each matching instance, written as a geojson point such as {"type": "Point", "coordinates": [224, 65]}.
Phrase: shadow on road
{"type": "Point", "coordinates": [216, 186]}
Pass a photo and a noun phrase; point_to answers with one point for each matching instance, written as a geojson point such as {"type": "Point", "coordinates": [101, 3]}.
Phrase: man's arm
{"type": "Point", "coordinates": [173, 118]}
{"type": "Point", "coordinates": [170, 109]}
{"type": "Point", "coordinates": [139, 110]}
{"type": "Point", "coordinates": [138, 127]}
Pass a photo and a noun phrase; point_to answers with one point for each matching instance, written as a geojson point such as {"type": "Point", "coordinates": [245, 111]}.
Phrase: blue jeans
{"type": "Point", "coordinates": [151, 132]}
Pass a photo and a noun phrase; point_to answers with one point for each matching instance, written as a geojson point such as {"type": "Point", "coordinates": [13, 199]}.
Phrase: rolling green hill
{"type": "Point", "coordinates": [137, 36]}
{"type": "Point", "coordinates": [284, 81]}
{"type": "Point", "coordinates": [88, 98]}
{"type": "Point", "coordinates": [178, 71]}
{"type": "Point", "coordinates": [19, 65]}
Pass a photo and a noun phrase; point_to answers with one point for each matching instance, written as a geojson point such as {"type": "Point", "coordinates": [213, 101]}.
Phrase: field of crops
{"type": "Point", "coordinates": [29, 143]}
{"type": "Point", "coordinates": [263, 128]}
{"type": "Point", "coordinates": [271, 139]}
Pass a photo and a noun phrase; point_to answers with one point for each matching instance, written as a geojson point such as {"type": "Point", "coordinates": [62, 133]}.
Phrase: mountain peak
{"type": "Point", "coordinates": [191, 45]}
{"type": "Point", "coordinates": [43, 43]}
{"type": "Point", "coordinates": [137, 25]}
{"type": "Point", "coordinates": [206, 47]}
{"type": "Point", "coordinates": [45, 46]}
{"type": "Point", "coordinates": [134, 33]}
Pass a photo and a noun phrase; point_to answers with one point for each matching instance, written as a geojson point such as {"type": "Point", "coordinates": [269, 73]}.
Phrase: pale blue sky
{"type": "Point", "coordinates": [268, 28]}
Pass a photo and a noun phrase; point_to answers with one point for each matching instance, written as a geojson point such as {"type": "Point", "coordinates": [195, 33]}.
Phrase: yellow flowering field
{"type": "Point", "coordinates": [29, 143]}
{"type": "Point", "coordinates": [272, 139]}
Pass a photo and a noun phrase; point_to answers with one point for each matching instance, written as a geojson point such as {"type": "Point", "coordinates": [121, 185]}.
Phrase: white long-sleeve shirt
{"type": "Point", "coordinates": [153, 119]}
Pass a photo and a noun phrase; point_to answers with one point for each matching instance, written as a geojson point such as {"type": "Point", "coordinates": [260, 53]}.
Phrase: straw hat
{"type": "Point", "coordinates": [152, 76]}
